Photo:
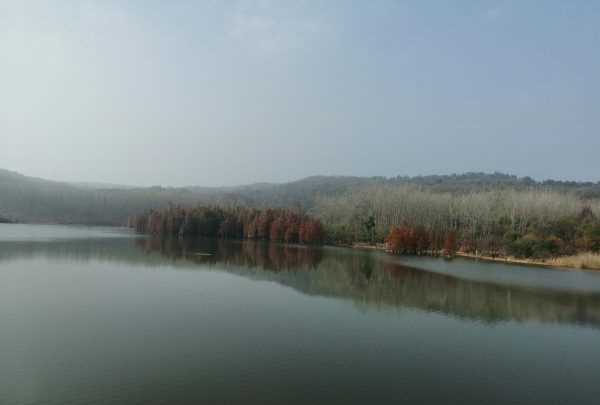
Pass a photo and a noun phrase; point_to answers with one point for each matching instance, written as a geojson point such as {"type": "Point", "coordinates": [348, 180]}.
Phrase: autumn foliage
{"type": "Point", "coordinates": [450, 246]}
{"type": "Point", "coordinates": [420, 241]}
{"type": "Point", "coordinates": [280, 225]}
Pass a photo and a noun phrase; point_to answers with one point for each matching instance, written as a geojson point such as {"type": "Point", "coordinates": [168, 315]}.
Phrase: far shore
{"type": "Point", "coordinates": [512, 260]}
{"type": "Point", "coordinates": [583, 261]}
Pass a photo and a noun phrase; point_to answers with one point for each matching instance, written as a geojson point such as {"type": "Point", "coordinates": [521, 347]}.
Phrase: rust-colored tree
{"type": "Point", "coordinates": [450, 245]}
{"type": "Point", "coordinates": [395, 240]}
{"type": "Point", "coordinates": [277, 230]}
{"type": "Point", "coordinates": [291, 232]}
{"type": "Point", "coordinates": [311, 231]}
{"type": "Point", "coordinates": [213, 221]}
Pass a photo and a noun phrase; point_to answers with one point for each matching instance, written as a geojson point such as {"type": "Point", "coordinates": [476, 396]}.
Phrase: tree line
{"type": "Point", "coordinates": [420, 241]}
{"type": "Point", "coordinates": [532, 223]}
{"type": "Point", "coordinates": [278, 225]}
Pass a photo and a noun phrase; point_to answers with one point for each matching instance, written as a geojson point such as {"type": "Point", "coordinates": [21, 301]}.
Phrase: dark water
{"type": "Point", "coordinates": [99, 317]}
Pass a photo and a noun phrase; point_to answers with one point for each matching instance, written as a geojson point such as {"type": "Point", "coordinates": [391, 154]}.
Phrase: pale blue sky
{"type": "Point", "coordinates": [231, 92]}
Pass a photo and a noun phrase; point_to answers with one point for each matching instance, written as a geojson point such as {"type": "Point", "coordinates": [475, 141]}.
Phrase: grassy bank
{"type": "Point", "coordinates": [580, 261]}
{"type": "Point", "coordinates": [586, 261]}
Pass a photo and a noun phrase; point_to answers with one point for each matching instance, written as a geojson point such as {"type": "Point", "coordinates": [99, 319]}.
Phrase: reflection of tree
{"type": "Point", "coordinates": [490, 302]}
{"type": "Point", "coordinates": [366, 278]}
{"type": "Point", "coordinates": [248, 253]}
{"type": "Point", "coordinates": [372, 283]}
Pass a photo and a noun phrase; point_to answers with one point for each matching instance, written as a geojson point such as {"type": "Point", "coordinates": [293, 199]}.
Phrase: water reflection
{"type": "Point", "coordinates": [264, 255]}
{"type": "Point", "coordinates": [370, 280]}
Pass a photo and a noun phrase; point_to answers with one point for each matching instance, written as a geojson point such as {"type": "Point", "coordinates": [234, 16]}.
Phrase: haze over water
{"type": "Point", "coordinates": [246, 145]}
{"type": "Point", "coordinates": [98, 316]}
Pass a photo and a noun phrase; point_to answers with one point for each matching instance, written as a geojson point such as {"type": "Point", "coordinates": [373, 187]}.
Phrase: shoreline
{"type": "Point", "coordinates": [566, 263]}
{"type": "Point", "coordinates": [512, 260]}
{"type": "Point", "coordinates": [550, 264]}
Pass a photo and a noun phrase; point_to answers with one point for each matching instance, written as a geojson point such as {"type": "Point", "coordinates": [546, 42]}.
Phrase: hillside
{"type": "Point", "coordinates": [29, 199]}
{"type": "Point", "coordinates": [474, 182]}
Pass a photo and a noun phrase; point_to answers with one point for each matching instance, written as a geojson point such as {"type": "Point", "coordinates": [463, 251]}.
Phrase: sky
{"type": "Point", "coordinates": [232, 92]}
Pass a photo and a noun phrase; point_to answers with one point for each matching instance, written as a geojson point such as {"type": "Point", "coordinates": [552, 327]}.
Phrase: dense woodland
{"type": "Point", "coordinates": [278, 225]}
{"type": "Point", "coordinates": [531, 223]}
{"type": "Point", "coordinates": [410, 219]}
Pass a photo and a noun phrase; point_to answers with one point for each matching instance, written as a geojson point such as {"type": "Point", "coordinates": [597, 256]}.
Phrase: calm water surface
{"type": "Point", "coordinates": [97, 316]}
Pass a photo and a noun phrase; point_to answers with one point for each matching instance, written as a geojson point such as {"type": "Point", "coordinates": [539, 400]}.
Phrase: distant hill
{"type": "Point", "coordinates": [470, 182]}
{"type": "Point", "coordinates": [101, 186]}
{"type": "Point", "coordinates": [30, 199]}
{"type": "Point", "coordinates": [303, 192]}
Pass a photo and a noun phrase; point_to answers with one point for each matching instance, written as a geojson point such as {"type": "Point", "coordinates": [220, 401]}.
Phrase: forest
{"type": "Point", "coordinates": [406, 219]}
{"type": "Point", "coordinates": [277, 225]}
{"type": "Point", "coordinates": [530, 223]}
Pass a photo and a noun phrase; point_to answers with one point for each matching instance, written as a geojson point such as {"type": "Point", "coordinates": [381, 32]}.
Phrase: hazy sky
{"type": "Point", "coordinates": [229, 92]}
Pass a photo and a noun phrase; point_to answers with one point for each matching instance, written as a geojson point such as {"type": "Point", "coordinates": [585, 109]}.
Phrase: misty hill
{"type": "Point", "coordinates": [304, 192]}
{"type": "Point", "coordinates": [100, 185]}
{"type": "Point", "coordinates": [473, 182]}
{"type": "Point", "coordinates": [30, 199]}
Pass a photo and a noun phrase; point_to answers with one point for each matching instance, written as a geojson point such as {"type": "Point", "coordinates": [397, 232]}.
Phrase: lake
{"type": "Point", "coordinates": [100, 316]}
